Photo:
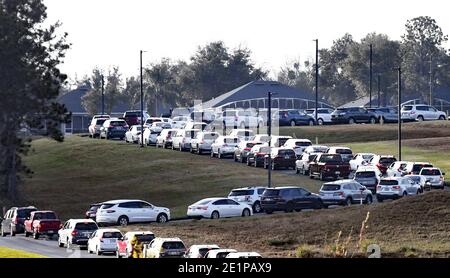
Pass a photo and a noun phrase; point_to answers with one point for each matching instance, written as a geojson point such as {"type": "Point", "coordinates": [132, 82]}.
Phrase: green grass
{"type": "Point", "coordinates": [69, 176]}
{"type": "Point", "coordinates": [11, 253]}
{"type": "Point", "coordinates": [367, 133]}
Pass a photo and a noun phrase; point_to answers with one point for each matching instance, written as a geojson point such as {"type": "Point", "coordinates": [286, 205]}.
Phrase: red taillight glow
{"type": "Point", "coordinates": [15, 220]}
{"type": "Point", "coordinates": [74, 233]}
{"type": "Point", "coordinates": [396, 187]}
{"type": "Point", "coordinates": [202, 207]}
{"type": "Point", "coordinates": [247, 149]}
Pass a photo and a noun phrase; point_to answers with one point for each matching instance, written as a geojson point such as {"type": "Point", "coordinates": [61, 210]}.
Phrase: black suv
{"type": "Point", "coordinates": [13, 220]}
{"type": "Point", "coordinates": [353, 115]}
{"type": "Point", "coordinates": [289, 199]}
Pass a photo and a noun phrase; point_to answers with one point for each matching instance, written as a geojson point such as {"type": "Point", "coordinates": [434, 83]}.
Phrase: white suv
{"type": "Point", "coordinates": [123, 212]}
{"type": "Point", "coordinates": [421, 113]}
{"type": "Point", "coordinates": [394, 188]}
{"type": "Point", "coordinates": [165, 248]}
{"type": "Point", "coordinates": [241, 119]}
{"type": "Point", "coordinates": [248, 195]}
{"type": "Point", "coordinates": [181, 140]}
{"type": "Point", "coordinates": [200, 251]}
{"type": "Point", "coordinates": [434, 176]}
{"type": "Point", "coordinates": [298, 145]}
{"type": "Point", "coordinates": [224, 145]}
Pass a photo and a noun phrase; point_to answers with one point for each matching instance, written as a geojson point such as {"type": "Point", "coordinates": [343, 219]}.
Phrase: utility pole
{"type": "Point", "coordinates": [103, 94]}
{"type": "Point", "coordinates": [379, 90]}
{"type": "Point", "coordinates": [370, 75]}
{"type": "Point", "coordinates": [399, 69]}
{"type": "Point", "coordinates": [317, 79]}
{"type": "Point", "coordinates": [269, 132]}
{"type": "Point", "coordinates": [142, 106]}
{"type": "Point", "coordinates": [431, 80]}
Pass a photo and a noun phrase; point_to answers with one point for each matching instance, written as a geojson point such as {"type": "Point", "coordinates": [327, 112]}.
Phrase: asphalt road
{"type": "Point", "coordinates": [45, 247]}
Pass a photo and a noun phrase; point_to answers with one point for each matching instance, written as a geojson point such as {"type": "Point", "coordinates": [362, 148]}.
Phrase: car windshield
{"type": "Point", "coordinates": [117, 123]}
{"type": "Point", "coordinates": [132, 114]}
{"type": "Point", "coordinates": [44, 215]}
{"type": "Point", "coordinates": [203, 202]}
{"type": "Point", "coordinates": [94, 208]}
{"type": "Point", "coordinates": [388, 182]}
{"type": "Point", "coordinates": [430, 172]}
{"type": "Point", "coordinates": [417, 167]}
{"type": "Point", "coordinates": [281, 141]}
{"type": "Point", "coordinates": [23, 213]}
{"type": "Point", "coordinates": [100, 122]}
{"type": "Point", "coordinates": [203, 251]}
{"type": "Point", "coordinates": [173, 245]}
{"type": "Point", "coordinates": [303, 144]}
{"type": "Point", "coordinates": [286, 152]}
{"type": "Point", "coordinates": [241, 192]}
{"type": "Point", "coordinates": [416, 179]}
{"type": "Point", "coordinates": [86, 226]}
{"type": "Point", "coordinates": [222, 255]}
{"type": "Point", "coordinates": [331, 187]}
{"type": "Point", "coordinates": [112, 235]}
{"type": "Point", "coordinates": [367, 174]}
{"type": "Point", "coordinates": [271, 192]}
{"type": "Point", "coordinates": [367, 157]}
{"type": "Point", "coordinates": [264, 150]}
{"type": "Point", "coordinates": [343, 151]}
{"type": "Point", "coordinates": [145, 238]}
{"type": "Point", "coordinates": [231, 140]}
{"type": "Point", "coordinates": [387, 160]}
{"type": "Point", "coordinates": [330, 158]}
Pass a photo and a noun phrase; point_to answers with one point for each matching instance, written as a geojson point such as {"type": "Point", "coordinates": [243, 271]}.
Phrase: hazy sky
{"type": "Point", "coordinates": [111, 32]}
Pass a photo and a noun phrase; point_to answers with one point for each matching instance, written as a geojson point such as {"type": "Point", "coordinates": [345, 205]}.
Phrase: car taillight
{"type": "Point", "coordinates": [378, 187]}
{"type": "Point", "coordinates": [340, 193]}
{"type": "Point", "coordinates": [15, 220]}
{"type": "Point", "coordinates": [126, 126]}
{"type": "Point", "coordinates": [203, 207]}
{"type": "Point", "coordinates": [101, 239]}
{"type": "Point", "coordinates": [412, 113]}
{"type": "Point", "coordinates": [111, 126]}
{"type": "Point", "coordinates": [247, 149]}
{"type": "Point", "coordinates": [110, 211]}
{"type": "Point", "coordinates": [396, 187]}
{"type": "Point", "coordinates": [74, 233]}
{"type": "Point", "coordinates": [39, 226]}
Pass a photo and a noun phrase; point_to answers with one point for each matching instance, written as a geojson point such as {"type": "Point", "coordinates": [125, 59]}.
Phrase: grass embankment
{"type": "Point", "coordinates": [14, 254]}
{"type": "Point", "coordinates": [368, 133]}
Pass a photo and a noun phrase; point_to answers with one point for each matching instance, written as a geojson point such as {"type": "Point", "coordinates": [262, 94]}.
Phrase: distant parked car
{"type": "Point", "coordinates": [278, 141]}
{"type": "Point", "coordinates": [181, 140]}
{"type": "Point", "coordinates": [104, 241]}
{"type": "Point", "coordinates": [13, 220]}
{"type": "Point", "coordinates": [298, 145]}
{"type": "Point", "coordinates": [133, 117]}
{"type": "Point", "coordinates": [196, 125]}
{"type": "Point", "coordinates": [180, 121]}
{"type": "Point", "coordinates": [262, 138]}
{"type": "Point", "coordinates": [241, 118]}
{"type": "Point", "coordinates": [92, 211]}
{"type": "Point", "coordinates": [164, 139]}
{"type": "Point", "coordinates": [434, 176]}
{"type": "Point", "coordinates": [224, 146]}
{"type": "Point", "coordinates": [329, 166]}
{"type": "Point", "coordinates": [382, 162]}
{"type": "Point", "coordinates": [42, 223]}
{"type": "Point", "coordinates": [248, 195]}
{"type": "Point", "coordinates": [202, 141]}
{"type": "Point", "coordinates": [360, 159]}
{"type": "Point", "coordinates": [280, 158]}
{"type": "Point", "coordinates": [202, 116]}
{"type": "Point", "coordinates": [385, 114]}
{"type": "Point", "coordinates": [243, 149]}
{"type": "Point", "coordinates": [242, 134]}
{"type": "Point", "coordinates": [420, 180]}
{"type": "Point", "coordinates": [345, 192]}
{"type": "Point", "coordinates": [288, 199]}
{"type": "Point", "coordinates": [76, 232]}
{"type": "Point", "coordinates": [257, 155]}
{"type": "Point", "coordinates": [125, 245]}
{"type": "Point", "coordinates": [302, 164]}
{"type": "Point", "coordinates": [149, 121]}
{"type": "Point", "coordinates": [133, 134]}
{"type": "Point", "coordinates": [353, 115]}
{"type": "Point", "coordinates": [396, 169]}
{"type": "Point", "coordinates": [199, 251]}
{"type": "Point", "coordinates": [421, 113]}
{"type": "Point", "coordinates": [243, 255]}
{"type": "Point", "coordinates": [94, 127]}
{"type": "Point", "coordinates": [316, 149]}
{"type": "Point", "coordinates": [368, 176]}
{"type": "Point", "coordinates": [294, 118]}
{"type": "Point", "coordinates": [219, 253]}
{"type": "Point", "coordinates": [165, 248]}
{"type": "Point", "coordinates": [215, 208]}
{"type": "Point", "coordinates": [344, 152]}
{"type": "Point", "coordinates": [323, 115]}
{"type": "Point", "coordinates": [150, 136]}
{"type": "Point", "coordinates": [114, 128]}
{"type": "Point", "coordinates": [413, 168]}
{"type": "Point", "coordinates": [394, 188]}
{"type": "Point", "coordinates": [122, 212]}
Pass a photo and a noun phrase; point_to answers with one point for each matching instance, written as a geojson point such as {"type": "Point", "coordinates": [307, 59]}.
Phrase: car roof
{"type": "Point", "coordinates": [140, 233]}
{"type": "Point", "coordinates": [43, 211]}
{"type": "Point", "coordinates": [106, 230]}
{"type": "Point", "coordinates": [250, 187]}
{"type": "Point", "coordinates": [286, 187]}
{"type": "Point", "coordinates": [212, 199]}
{"type": "Point", "coordinates": [338, 147]}
{"type": "Point", "coordinates": [245, 254]}
{"type": "Point", "coordinates": [393, 178]}
{"type": "Point", "coordinates": [122, 201]}
{"type": "Point", "coordinates": [431, 168]}
{"type": "Point", "coordinates": [215, 251]}
{"type": "Point", "coordinates": [204, 246]}
{"type": "Point", "coordinates": [167, 239]}
{"type": "Point", "coordinates": [340, 181]}
{"type": "Point", "coordinates": [298, 140]}
{"type": "Point", "coordinates": [81, 220]}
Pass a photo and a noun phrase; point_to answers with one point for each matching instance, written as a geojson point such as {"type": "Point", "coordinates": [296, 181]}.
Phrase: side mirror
{"type": "Point", "coordinates": [443, 174]}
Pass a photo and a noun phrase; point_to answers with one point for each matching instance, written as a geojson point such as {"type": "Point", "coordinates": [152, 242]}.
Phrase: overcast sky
{"type": "Point", "coordinates": [111, 32]}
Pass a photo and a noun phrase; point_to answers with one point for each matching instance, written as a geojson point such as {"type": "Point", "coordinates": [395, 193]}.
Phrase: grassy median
{"type": "Point", "coordinates": [17, 254]}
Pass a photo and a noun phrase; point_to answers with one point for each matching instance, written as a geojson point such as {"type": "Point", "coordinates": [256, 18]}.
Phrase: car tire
{"type": "Point", "coordinates": [351, 121]}
{"type": "Point", "coordinates": [123, 221]}
{"type": "Point", "coordinates": [162, 218]}
{"type": "Point", "coordinates": [320, 121]}
{"type": "Point", "coordinates": [289, 208]}
{"type": "Point", "coordinates": [297, 171]}
{"type": "Point", "coordinates": [257, 207]}
{"type": "Point", "coordinates": [199, 151]}
{"type": "Point", "coordinates": [369, 200]}
{"type": "Point", "coordinates": [215, 215]}
{"type": "Point", "coordinates": [246, 213]}
{"type": "Point", "coordinates": [311, 123]}
{"type": "Point", "coordinates": [381, 120]}
{"type": "Point", "coordinates": [27, 234]}
{"type": "Point", "coordinates": [219, 155]}
{"type": "Point", "coordinates": [441, 118]}
{"type": "Point", "coordinates": [3, 234]}
{"type": "Point", "coordinates": [12, 232]}
{"type": "Point", "coordinates": [420, 118]}
{"type": "Point", "coordinates": [274, 167]}
{"type": "Point", "coordinates": [118, 256]}
{"type": "Point", "coordinates": [348, 202]}
{"type": "Point", "coordinates": [372, 120]}
{"type": "Point", "coordinates": [68, 245]}
{"type": "Point", "coordinates": [235, 158]}
{"type": "Point", "coordinates": [292, 123]}
{"type": "Point", "coordinates": [248, 162]}
{"type": "Point", "coordinates": [212, 153]}
{"type": "Point", "coordinates": [405, 194]}
{"type": "Point", "coordinates": [35, 235]}
{"type": "Point", "coordinates": [98, 252]}
{"type": "Point", "coordinates": [60, 244]}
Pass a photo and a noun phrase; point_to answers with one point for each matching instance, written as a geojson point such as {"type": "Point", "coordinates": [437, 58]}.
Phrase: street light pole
{"type": "Point", "coordinates": [431, 80]}
{"type": "Point", "coordinates": [269, 132]}
{"type": "Point", "coordinates": [370, 75]}
{"type": "Point", "coordinates": [103, 94]}
{"type": "Point", "coordinates": [379, 90]}
{"type": "Point", "coordinates": [142, 105]}
{"type": "Point", "coordinates": [317, 78]}
{"type": "Point", "coordinates": [399, 69]}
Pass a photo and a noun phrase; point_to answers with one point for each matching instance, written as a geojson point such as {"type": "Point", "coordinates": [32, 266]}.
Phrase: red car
{"type": "Point", "coordinates": [329, 166]}
{"type": "Point", "coordinates": [42, 223]}
{"type": "Point", "coordinates": [125, 247]}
